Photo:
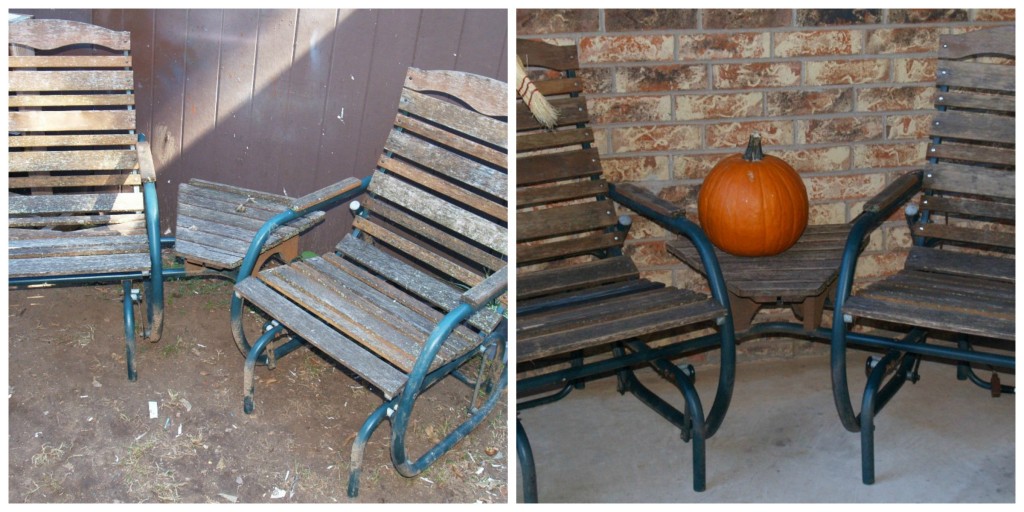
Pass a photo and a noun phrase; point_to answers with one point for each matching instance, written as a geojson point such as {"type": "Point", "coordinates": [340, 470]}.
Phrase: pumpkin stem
{"type": "Point", "coordinates": [754, 152]}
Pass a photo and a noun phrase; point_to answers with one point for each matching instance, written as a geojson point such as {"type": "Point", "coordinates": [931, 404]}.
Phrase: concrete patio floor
{"type": "Point", "coordinates": [938, 441]}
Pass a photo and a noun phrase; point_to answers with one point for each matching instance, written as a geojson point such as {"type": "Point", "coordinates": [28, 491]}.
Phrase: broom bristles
{"type": "Point", "coordinates": [535, 101]}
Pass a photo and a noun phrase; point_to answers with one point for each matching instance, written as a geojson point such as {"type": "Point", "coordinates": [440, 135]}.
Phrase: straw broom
{"type": "Point", "coordinates": [535, 101]}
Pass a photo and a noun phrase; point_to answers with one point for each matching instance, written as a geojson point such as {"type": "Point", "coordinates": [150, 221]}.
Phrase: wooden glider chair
{"type": "Point", "coordinates": [957, 284]}
{"type": "Point", "coordinates": [416, 292]}
{"type": "Point", "coordinates": [82, 187]}
{"type": "Point", "coordinates": [578, 295]}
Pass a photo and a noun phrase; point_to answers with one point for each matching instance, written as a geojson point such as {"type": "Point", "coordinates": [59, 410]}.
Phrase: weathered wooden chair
{"type": "Point", "coordinates": [416, 291]}
{"type": "Point", "coordinates": [82, 193]}
{"type": "Point", "coordinates": [578, 295]}
{"type": "Point", "coordinates": [957, 285]}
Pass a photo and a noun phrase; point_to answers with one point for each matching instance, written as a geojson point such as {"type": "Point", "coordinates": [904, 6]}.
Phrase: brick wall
{"type": "Point", "coordinates": [843, 95]}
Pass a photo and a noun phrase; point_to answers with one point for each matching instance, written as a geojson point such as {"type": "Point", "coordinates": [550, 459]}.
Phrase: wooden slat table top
{"type": "Point", "coordinates": [804, 270]}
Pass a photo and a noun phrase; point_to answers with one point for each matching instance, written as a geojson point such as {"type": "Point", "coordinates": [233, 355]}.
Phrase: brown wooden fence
{"type": "Point", "coordinates": [285, 101]}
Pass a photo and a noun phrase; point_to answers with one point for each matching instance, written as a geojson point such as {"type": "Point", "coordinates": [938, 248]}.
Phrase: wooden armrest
{"type": "Point", "coordinates": [897, 192]}
{"type": "Point", "coordinates": [646, 198]}
{"type": "Point", "coordinates": [487, 289]}
{"type": "Point", "coordinates": [146, 167]}
{"type": "Point", "coordinates": [325, 194]}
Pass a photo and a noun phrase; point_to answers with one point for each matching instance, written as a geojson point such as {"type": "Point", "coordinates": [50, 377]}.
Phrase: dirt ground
{"type": "Point", "coordinates": [79, 431]}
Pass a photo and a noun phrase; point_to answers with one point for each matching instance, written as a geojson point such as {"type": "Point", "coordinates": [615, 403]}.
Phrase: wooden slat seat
{"type": "Point", "coordinates": [216, 223]}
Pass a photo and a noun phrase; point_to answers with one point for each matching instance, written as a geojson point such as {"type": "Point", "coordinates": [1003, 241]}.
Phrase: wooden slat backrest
{"type": "Point", "coordinates": [438, 199]}
{"type": "Point", "coordinates": [969, 179]}
{"type": "Point", "coordinates": [71, 124]}
{"type": "Point", "coordinates": [561, 206]}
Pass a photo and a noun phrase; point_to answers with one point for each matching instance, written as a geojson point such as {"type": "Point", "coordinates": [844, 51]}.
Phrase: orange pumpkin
{"type": "Point", "coordinates": [753, 204]}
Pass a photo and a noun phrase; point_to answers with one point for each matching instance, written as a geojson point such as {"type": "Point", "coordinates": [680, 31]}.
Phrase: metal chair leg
{"type": "Point", "coordinates": [129, 330]}
{"type": "Point", "coordinates": [524, 454]}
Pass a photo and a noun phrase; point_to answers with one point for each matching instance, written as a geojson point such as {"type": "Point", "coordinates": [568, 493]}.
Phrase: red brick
{"type": "Point", "coordinates": [643, 227]}
{"type": "Point", "coordinates": [736, 135]}
{"type": "Point", "coordinates": [682, 195]}
{"type": "Point", "coordinates": [625, 48]}
{"type": "Point", "coordinates": [840, 188]}
{"type": "Point", "coordinates": [880, 265]}
{"type": "Point", "coordinates": [818, 42]}
{"type": "Point", "coordinates": [556, 21]}
{"type": "Point", "coordinates": [913, 70]}
{"type": "Point", "coordinates": [717, 106]}
{"type": "Point", "coordinates": [695, 167]}
{"type": "Point", "coordinates": [880, 156]}
{"type": "Point", "coordinates": [650, 254]}
{"type": "Point", "coordinates": [852, 71]}
{"type": "Point", "coordinates": [909, 126]}
{"type": "Point", "coordinates": [828, 159]}
{"type": "Point", "coordinates": [655, 138]}
{"type": "Point", "coordinates": [926, 15]}
{"type": "Point", "coordinates": [797, 103]}
{"type": "Point", "coordinates": [826, 213]}
{"type": "Point", "coordinates": [597, 80]}
{"type": "Point", "coordinates": [629, 109]}
{"type": "Point", "coordinates": [672, 77]}
{"type": "Point", "coordinates": [747, 18]}
{"type": "Point", "coordinates": [745, 45]}
{"type": "Point", "coordinates": [623, 20]}
{"type": "Point", "coordinates": [903, 40]}
{"type": "Point", "coordinates": [897, 236]}
{"type": "Point", "coordinates": [821, 17]}
{"type": "Point", "coordinates": [995, 15]}
{"type": "Point", "coordinates": [841, 129]}
{"type": "Point", "coordinates": [755, 74]}
{"type": "Point", "coordinates": [878, 99]}
{"type": "Point", "coordinates": [623, 169]}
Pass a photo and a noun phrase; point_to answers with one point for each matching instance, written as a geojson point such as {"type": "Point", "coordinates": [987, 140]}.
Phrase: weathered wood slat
{"type": "Point", "coordinates": [551, 140]}
{"type": "Point", "coordinates": [256, 208]}
{"type": "Point", "coordinates": [80, 203]}
{"type": "Point", "coordinates": [412, 280]}
{"type": "Point", "coordinates": [971, 99]}
{"type": "Point", "coordinates": [79, 265]}
{"type": "Point", "coordinates": [972, 179]}
{"type": "Point", "coordinates": [70, 121]}
{"type": "Point", "coordinates": [646, 198]}
{"type": "Point", "coordinates": [382, 375]}
{"type": "Point", "coordinates": [536, 169]}
{"type": "Point", "coordinates": [928, 316]}
{"type": "Point", "coordinates": [240, 192]}
{"type": "Point", "coordinates": [977, 75]}
{"type": "Point", "coordinates": [485, 95]}
{"type": "Point", "coordinates": [599, 332]}
{"type": "Point", "coordinates": [331, 305]}
{"type": "Point", "coordinates": [575, 246]}
{"type": "Point", "coordinates": [441, 212]}
{"type": "Point", "coordinates": [70, 61]}
{"type": "Point", "coordinates": [35, 221]}
{"type": "Point", "coordinates": [76, 246]}
{"type": "Point", "coordinates": [540, 54]}
{"type": "Point", "coordinates": [30, 141]}
{"type": "Point", "coordinates": [607, 310]}
{"type": "Point", "coordinates": [972, 153]}
{"type": "Point", "coordinates": [600, 292]}
{"type": "Point", "coordinates": [570, 112]}
{"type": "Point", "coordinates": [324, 194]}
{"type": "Point", "coordinates": [101, 160]}
{"type": "Point", "coordinates": [417, 252]}
{"type": "Point", "coordinates": [71, 100]}
{"type": "Point", "coordinates": [973, 126]}
{"type": "Point", "coordinates": [970, 207]}
{"type": "Point", "coordinates": [998, 40]}
{"type": "Point", "coordinates": [584, 275]}
{"type": "Point", "coordinates": [564, 220]}
{"type": "Point", "coordinates": [443, 188]}
{"type": "Point", "coordinates": [453, 141]}
{"type": "Point", "coordinates": [480, 293]}
{"type": "Point", "coordinates": [454, 244]}
{"type": "Point", "coordinates": [96, 180]}
{"type": "Point", "coordinates": [455, 117]}
{"type": "Point", "coordinates": [961, 264]}
{"type": "Point", "coordinates": [559, 86]}
{"type": "Point", "coordinates": [965, 234]}
{"type": "Point", "coordinates": [53, 34]}
{"type": "Point", "coordinates": [445, 162]}
{"type": "Point", "coordinates": [418, 321]}
{"type": "Point", "coordinates": [78, 80]}
{"type": "Point", "coordinates": [206, 255]}
{"type": "Point", "coordinates": [420, 307]}
{"type": "Point", "coordinates": [899, 188]}
{"type": "Point", "coordinates": [534, 196]}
